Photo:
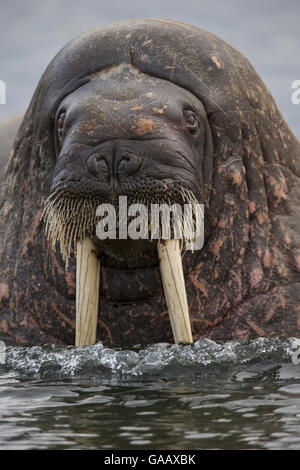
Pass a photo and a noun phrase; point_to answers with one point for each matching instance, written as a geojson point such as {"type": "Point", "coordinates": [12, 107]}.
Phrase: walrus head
{"type": "Point", "coordinates": [149, 108]}
{"type": "Point", "coordinates": [124, 133]}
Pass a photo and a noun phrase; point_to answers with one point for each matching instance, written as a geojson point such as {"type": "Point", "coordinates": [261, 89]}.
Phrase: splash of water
{"type": "Point", "coordinates": [158, 360]}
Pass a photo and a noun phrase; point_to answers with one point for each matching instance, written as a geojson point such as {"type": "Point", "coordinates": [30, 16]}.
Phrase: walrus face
{"type": "Point", "coordinates": [123, 133]}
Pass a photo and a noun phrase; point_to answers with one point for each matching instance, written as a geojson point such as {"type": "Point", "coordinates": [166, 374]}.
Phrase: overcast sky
{"type": "Point", "coordinates": [266, 31]}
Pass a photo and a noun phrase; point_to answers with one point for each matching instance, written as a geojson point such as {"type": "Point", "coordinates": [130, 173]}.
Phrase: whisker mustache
{"type": "Point", "coordinates": [69, 218]}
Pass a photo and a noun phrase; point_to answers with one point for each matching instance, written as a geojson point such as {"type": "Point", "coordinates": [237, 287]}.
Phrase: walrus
{"type": "Point", "coordinates": [151, 109]}
{"type": "Point", "coordinates": [8, 130]}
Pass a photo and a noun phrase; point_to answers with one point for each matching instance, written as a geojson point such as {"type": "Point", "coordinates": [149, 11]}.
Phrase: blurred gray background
{"type": "Point", "coordinates": [266, 31]}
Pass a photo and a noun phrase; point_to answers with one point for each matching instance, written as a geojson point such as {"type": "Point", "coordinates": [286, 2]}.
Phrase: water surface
{"type": "Point", "coordinates": [239, 395]}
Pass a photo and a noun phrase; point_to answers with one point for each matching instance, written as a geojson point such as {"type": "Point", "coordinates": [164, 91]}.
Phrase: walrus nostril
{"type": "Point", "coordinates": [97, 166]}
{"type": "Point", "coordinates": [124, 159]}
{"type": "Point", "coordinates": [112, 161]}
{"type": "Point", "coordinates": [127, 165]}
{"type": "Point", "coordinates": [123, 164]}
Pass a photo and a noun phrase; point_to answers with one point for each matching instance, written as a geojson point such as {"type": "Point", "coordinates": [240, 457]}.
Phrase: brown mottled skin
{"type": "Point", "coordinates": [8, 130]}
{"type": "Point", "coordinates": [243, 164]}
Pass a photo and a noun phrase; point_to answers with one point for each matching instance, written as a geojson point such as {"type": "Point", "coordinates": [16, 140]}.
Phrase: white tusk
{"type": "Point", "coordinates": [87, 292]}
{"type": "Point", "coordinates": [169, 255]}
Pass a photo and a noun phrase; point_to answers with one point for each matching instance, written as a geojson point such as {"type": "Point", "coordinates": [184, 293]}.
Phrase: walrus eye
{"type": "Point", "coordinates": [191, 121]}
{"type": "Point", "coordinates": [60, 124]}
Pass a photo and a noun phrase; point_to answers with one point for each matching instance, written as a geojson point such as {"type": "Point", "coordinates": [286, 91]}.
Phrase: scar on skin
{"type": "Point", "coordinates": [4, 290]}
{"type": "Point", "coordinates": [267, 259]}
{"type": "Point", "coordinates": [216, 61]}
{"type": "Point", "coordinates": [256, 328]}
{"type": "Point", "coordinates": [160, 110]}
{"type": "Point", "coordinates": [252, 207]}
{"type": "Point", "coordinates": [143, 126]}
{"type": "Point", "coordinates": [137, 108]}
{"type": "Point", "coordinates": [297, 259]}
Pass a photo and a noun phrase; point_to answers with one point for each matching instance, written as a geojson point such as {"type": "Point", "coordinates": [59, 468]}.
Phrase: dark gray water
{"type": "Point", "coordinates": [239, 395]}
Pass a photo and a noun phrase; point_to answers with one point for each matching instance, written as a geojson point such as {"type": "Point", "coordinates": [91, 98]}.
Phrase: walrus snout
{"type": "Point", "coordinates": [114, 160]}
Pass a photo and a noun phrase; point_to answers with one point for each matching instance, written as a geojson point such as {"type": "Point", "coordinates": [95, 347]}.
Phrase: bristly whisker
{"type": "Point", "coordinates": [70, 217]}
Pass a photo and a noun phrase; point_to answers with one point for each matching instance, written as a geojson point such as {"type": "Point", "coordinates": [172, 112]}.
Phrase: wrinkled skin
{"type": "Point", "coordinates": [125, 132]}
{"type": "Point", "coordinates": [123, 92]}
